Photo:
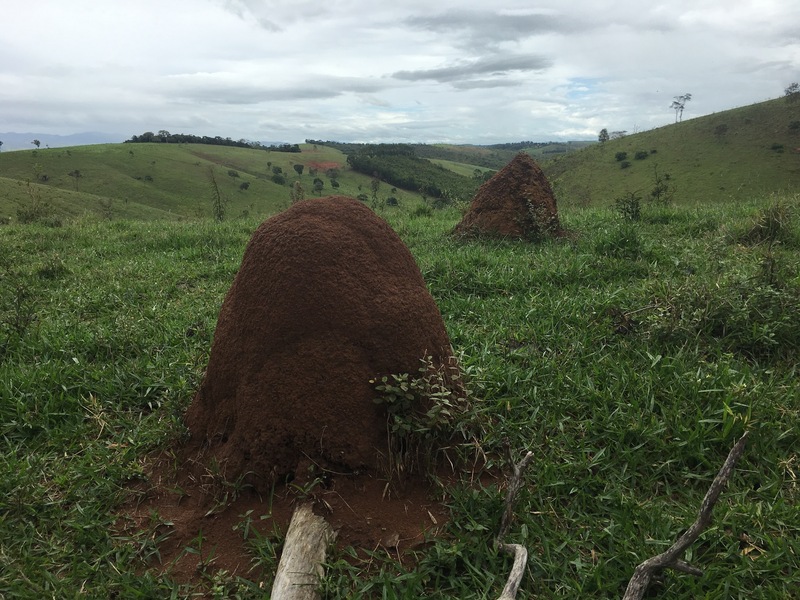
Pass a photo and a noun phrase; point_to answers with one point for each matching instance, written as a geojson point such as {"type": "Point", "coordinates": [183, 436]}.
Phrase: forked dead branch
{"type": "Point", "coordinates": [644, 573]}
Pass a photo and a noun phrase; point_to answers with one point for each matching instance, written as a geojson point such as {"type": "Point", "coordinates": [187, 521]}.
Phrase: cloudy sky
{"type": "Point", "coordinates": [377, 70]}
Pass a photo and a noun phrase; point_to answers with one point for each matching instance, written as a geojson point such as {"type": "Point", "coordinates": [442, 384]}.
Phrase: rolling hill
{"type": "Point", "coordinates": [168, 181]}
{"type": "Point", "coordinates": [742, 153]}
{"type": "Point", "coordinates": [747, 152]}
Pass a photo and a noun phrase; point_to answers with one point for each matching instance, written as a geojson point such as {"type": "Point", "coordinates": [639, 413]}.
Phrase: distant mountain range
{"type": "Point", "coordinates": [24, 141]}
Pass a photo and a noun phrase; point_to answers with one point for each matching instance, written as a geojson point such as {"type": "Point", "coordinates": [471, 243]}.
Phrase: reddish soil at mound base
{"type": "Point", "coordinates": [199, 524]}
{"type": "Point", "coordinates": [327, 298]}
{"type": "Point", "coordinates": [517, 202]}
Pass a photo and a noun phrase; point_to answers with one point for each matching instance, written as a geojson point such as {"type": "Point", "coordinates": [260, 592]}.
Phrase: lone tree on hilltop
{"type": "Point", "coordinates": [36, 143]}
{"type": "Point", "coordinates": [679, 104]}
{"type": "Point", "coordinates": [792, 92]}
{"type": "Point", "coordinates": [603, 136]}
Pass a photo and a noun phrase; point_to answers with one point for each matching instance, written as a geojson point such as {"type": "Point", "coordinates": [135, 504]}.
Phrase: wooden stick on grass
{"type": "Point", "coordinates": [671, 558]}
{"type": "Point", "coordinates": [300, 568]}
{"type": "Point", "coordinates": [519, 552]}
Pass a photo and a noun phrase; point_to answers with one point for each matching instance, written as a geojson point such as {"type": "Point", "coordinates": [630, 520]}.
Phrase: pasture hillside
{"type": "Point", "coordinates": [732, 155]}
{"type": "Point", "coordinates": [628, 357]}
{"type": "Point", "coordinates": [157, 181]}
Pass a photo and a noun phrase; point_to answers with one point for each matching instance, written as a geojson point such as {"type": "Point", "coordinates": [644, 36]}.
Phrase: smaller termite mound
{"type": "Point", "coordinates": [516, 203]}
{"type": "Point", "coordinates": [327, 299]}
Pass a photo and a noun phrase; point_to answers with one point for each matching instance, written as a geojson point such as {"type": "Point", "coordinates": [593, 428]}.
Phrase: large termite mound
{"type": "Point", "coordinates": [327, 298]}
{"type": "Point", "coordinates": [517, 202]}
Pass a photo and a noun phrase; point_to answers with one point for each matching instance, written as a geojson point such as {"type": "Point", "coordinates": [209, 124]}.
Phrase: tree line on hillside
{"type": "Point", "coordinates": [165, 137]}
{"type": "Point", "coordinates": [490, 160]}
{"type": "Point", "coordinates": [493, 156]}
{"type": "Point", "coordinates": [399, 165]}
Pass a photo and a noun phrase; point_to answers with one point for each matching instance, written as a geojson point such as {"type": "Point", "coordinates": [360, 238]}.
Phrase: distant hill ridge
{"type": "Point", "coordinates": [24, 141]}
{"type": "Point", "coordinates": [743, 153]}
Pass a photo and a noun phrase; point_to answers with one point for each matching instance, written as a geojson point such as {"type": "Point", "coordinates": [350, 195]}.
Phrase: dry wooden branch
{"type": "Point", "coordinates": [671, 558]}
{"type": "Point", "coordinates": [300, 568]}
{"type": "Point", "coordinates": [520, 553]}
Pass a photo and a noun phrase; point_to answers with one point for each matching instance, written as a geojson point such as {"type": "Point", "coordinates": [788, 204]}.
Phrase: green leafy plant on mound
{"type": "Point", "coordinates": [428, 414]}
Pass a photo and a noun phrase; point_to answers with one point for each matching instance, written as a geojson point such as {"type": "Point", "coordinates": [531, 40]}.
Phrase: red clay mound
{"type": "Point", "coordinates": [517, 202]}
{"type": "Point", "coordinates": [327, 298]}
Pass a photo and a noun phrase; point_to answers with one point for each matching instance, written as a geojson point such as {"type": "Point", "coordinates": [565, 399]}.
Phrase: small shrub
{"type": "Point", "coordinates": [36, 210]}
{"type": "Point", "coordinates": [624, 164]}
{"type": "Point", "coordinates": [363, 197]}
{"type": "Point", "coordinates": [148, 178]}
{"type": "Point", "coordinates": [622, 242]}
{"type": "Point", "coordinates": [742, 315]}
{"type": "Point", "coordinates": [392, 201]}
{"type": "Point", "coordinates": [54, 268]}
{"type": "Point", "coordinates": [278, 178]}
{"type": "Point", "coordinates": [17, 305]}
{"type": "Point", "coordinates": [629, 206]}
{"type": "Point", "coordinates": [422, 210]}
{"type": "Point", "coordinates": [620, 156]}
{"type": "Point", "coordinates": [233, 173]}
{"type": "Point", "coordinates": [776, 147]}
{"type": "Point", "coordinates": [774, 223]}
{"type": "Point", "coordinates": [641, 155]}
{"type": "Point", "coordinates": [663, 188]}
{"type": "Point", "coordinates": [244, 186]}
{"type": "Point", "coordinates": [276, 170]}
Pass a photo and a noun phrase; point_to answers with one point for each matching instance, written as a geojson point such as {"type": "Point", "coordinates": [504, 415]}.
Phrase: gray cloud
{"type": "Point", "coordinates": [491, 65]}
{"type": "Point", "coordinates": [248, 10]}
{"type": "Point", "coordinates": [474, 84]}
{"type": "Point", "coordinates": [217, 89]}
{"type": "Point", "coordinates": [361, 70]}
{"type": "Point", "coordinates": [490, 28]}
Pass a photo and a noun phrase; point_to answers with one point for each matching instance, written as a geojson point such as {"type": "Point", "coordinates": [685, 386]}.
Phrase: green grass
{"type": "Point", "coordinates": [464, 169]}
{"type": "Point", "coordinates": [728, 156]}
{"type": "Point", "coordinates": [628, 357]}
{"type": "Point", "coordinates": [165, 181]}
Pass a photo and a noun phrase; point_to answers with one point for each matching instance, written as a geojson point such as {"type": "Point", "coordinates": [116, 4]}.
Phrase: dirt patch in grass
{"type": "Point", "coordinates": [203, 525]}
{"type": "Point", "coordinates": [323, 165]}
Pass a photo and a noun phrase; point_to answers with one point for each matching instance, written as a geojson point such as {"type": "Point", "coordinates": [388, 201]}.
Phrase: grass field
{"type": "Point", "coordinates": [628, 357]}
{"type": "Point", "coordinates": [168, 181]}
{"type": "Point", "coordinates": [733, 155]}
